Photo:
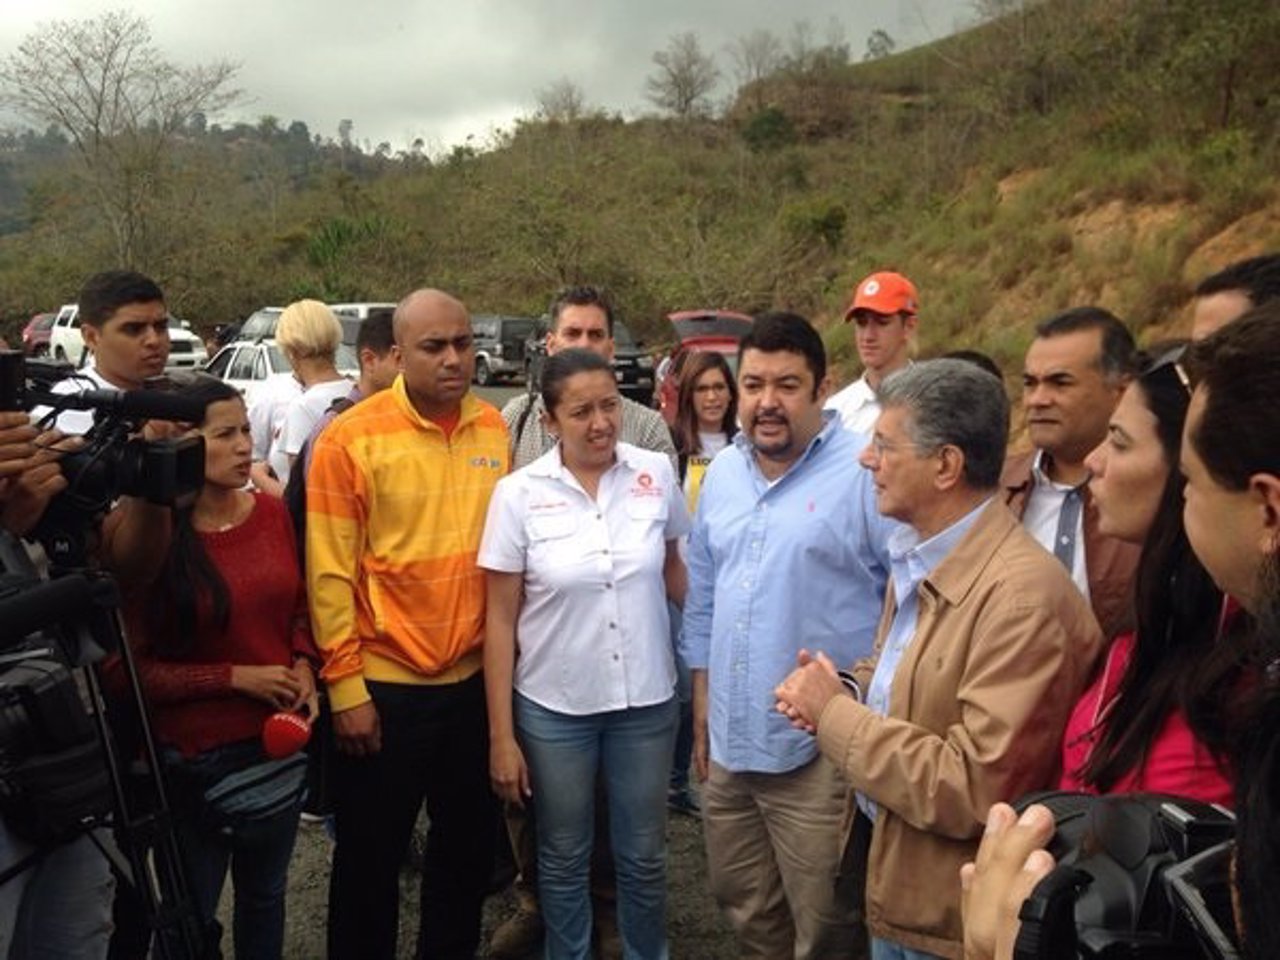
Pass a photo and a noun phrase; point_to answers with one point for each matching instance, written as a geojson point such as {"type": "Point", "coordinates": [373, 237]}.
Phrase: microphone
{"type": "Point", "coordinates": [138, 404]}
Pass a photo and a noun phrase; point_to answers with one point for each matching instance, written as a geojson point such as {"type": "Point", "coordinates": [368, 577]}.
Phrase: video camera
{"type": "Point", "coordinates": [113, 462]}
{"type": "Point", "coordinates": [1137, 876]}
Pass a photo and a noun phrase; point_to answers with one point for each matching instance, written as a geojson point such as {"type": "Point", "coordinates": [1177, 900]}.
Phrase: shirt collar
{"type": "Point", "coordinates": [551, 465]}
{"type": "Point", "coordinates": [1040, 475]}
{"type": "Point", "coordinates": [912, 559]}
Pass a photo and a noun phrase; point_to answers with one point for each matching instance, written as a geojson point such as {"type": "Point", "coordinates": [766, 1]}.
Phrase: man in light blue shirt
{"type": "Point", "coordinates": [788, 552]}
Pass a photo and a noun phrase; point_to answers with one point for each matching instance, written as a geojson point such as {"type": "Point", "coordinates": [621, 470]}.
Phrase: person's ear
{"type": "Point", "coordinates": [823, 390]}
{"type": "Point", "coordinates": [950, 469]}
{"type": "Point", "coordinates": [90, 334]}
{"type": "Point", "coordinates": [1266, 488]}
{"type": "Point", "coordinates": [549, 423]}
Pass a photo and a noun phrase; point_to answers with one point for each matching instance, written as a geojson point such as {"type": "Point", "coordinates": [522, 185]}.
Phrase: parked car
{"type": "Point", "coordinates": [260, 326]}
{"type": "Point", "coordinates": [361, 311]}
{"type": "Point", "coordinates": [632, 365]}
{"type": "Point", "coordinates": [35, 335]}
{"type": "Point", "coordinates": [695, 330]}
{"type": "Point", "coordinates": [500, 345]}
{"type": "Point", "coordinates": [66, 343]}
{"type": "Point", "coordinates": [248, 366]}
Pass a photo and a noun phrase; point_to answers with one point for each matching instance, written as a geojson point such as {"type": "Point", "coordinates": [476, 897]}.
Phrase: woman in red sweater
{"type": "Point", "coordinates": [222, 642]}
{"type": "Point", "coordinates": [1151, 719]}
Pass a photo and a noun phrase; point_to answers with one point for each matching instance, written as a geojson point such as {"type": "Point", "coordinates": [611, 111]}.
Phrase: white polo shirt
{"type": "Point", "coordinates": [592, 633]}
{"type": "Point", "coordinates": [1040, 518]}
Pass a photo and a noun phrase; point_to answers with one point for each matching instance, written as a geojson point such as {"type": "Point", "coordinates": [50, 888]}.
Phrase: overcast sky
{"type": "Point", "coordinates": [443, 71]}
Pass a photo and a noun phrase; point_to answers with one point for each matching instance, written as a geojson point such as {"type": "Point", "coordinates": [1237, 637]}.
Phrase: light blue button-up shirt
{"type": "Point", "coordinates": [801, 562]}
{"type": "Point", "coordinates": [910, 561]}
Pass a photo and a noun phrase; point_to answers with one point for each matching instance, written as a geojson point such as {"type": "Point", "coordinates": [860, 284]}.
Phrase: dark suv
{"type": "Point", "coordinates": [632, 367]}
{"type": "Point", "coordinates": [500, 343]}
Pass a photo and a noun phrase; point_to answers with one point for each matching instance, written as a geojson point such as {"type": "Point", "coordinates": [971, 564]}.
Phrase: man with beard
{"type": "Point", "coordinates": [787, 552]}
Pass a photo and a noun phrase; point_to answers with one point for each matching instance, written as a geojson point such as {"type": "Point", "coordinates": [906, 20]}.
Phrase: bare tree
{"type": "Point", "coordinates": [121, 104]}
{"type": "Point", "coordinates": [755, 56]}
{"type": "Point", "coordinates": [562, 101]}
{"type": "Point", "coordinates": [684, 79]}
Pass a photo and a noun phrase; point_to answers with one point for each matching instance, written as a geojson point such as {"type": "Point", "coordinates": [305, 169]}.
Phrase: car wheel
{"type": "Point", "coordinates": [484, 376]}
{"type": "Point", "coordinates": [40, 350]}
{"type": "Point", "coordinates": [60, 355]}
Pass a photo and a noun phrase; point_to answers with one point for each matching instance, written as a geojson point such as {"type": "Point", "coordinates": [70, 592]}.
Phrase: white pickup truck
{"type": "Point", "coordinates": [186, 350]}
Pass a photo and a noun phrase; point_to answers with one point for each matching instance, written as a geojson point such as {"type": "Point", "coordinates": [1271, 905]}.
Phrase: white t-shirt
{"type": "Point", "coordinates": [306, 411]}
{"type": "Point", "coordinates": [75, 423]}
{"type": "Point", "coordinates": [592, 633]}
{"type": "Point", "coordinates": [266, 421]}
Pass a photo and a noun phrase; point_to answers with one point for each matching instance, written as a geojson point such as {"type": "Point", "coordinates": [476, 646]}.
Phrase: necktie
{"type": "Point", "coordinates": [1064, 542]}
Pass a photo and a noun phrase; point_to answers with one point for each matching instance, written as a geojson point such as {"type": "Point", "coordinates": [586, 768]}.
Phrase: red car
{"type": "Point", "coordinates": [696, 330]}
{"type": "Point", "coordinates": [35, 335]}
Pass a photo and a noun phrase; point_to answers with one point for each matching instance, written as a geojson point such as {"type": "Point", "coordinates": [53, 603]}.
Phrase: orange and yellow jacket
{"type": "Point", "coordinates": [395, 511]}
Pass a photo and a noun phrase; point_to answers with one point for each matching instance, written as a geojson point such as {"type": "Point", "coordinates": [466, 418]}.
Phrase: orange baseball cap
{"type": "Point", "coordinates": [886, 293]}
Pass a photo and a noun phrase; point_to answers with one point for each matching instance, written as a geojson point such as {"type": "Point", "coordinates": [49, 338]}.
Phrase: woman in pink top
{"type": "Point", "coordinates": [1151, 719]}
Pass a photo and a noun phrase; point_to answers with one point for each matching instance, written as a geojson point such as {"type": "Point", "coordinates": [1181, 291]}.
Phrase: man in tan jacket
{"type": "Point", "coordinates": [982, 650]}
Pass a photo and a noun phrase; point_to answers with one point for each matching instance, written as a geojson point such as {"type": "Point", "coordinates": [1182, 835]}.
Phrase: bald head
{"type": "Point", "coordinates": [422, 303]}
{"type": "Point", "coordinates": [434, 349]}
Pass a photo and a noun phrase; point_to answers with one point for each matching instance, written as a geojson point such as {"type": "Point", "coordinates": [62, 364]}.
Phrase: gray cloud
{"type": "Point", "coordinates": [402, 69]}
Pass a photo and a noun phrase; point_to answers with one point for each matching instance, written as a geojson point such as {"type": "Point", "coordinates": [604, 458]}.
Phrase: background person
{"type": "Point", "coordinates": [885, 313]}
{"type": "Point", "coordinates": [1074, 373]}
{"type": "Point", "coordinates": [222, 641]}
{"type": "Point", "coordinates": [706, 421]}
{"type": "Point", "coordinates": [1233, 291]}
{"type": "Point", "coordinates": [1151, 720]}
{"type": "Point", "coordinates": [580, 548]}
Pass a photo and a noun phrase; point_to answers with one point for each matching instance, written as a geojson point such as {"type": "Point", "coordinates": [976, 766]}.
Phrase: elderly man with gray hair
{"type": "Point", "coordinates": [982, 649]}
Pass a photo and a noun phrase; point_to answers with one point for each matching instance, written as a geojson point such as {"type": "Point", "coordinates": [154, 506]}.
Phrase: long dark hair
{"type": "Point", "coordinates": [685, 430]}
{"type": "Point", "coordinates": [1177, 662]}
{"type": "Point", "coordinates": [189, 576]}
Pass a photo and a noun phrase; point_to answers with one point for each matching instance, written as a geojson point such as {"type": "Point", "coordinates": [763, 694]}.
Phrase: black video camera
{"type": "Point", "coordinates": [113, 462]}
{"type": "Point", "coordinates": [1137, 876]}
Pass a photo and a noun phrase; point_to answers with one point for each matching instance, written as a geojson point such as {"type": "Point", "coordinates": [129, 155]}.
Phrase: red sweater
{"type": "Point", "coordinates": [1176, 763]}
{"type": "Point", "coordinates": [193, 706]}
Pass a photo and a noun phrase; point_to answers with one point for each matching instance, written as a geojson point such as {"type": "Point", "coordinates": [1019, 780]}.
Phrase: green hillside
{"type": "Point", "coordinates": [1109, 151]}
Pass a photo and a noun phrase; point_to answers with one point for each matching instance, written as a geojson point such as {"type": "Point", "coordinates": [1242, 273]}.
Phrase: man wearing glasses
{"type": "Point", "coordinates": [883, 311]}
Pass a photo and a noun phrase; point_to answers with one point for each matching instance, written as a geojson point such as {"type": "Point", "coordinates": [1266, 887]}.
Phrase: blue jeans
{"type": "Point", "coordinates": [61, 906]}
{"type": "Point", "coordinates": [632, 750]}
{"type": "Point", "coordinates": [257, 854]}
{"type": "Point", "coordinates": [888, 950]}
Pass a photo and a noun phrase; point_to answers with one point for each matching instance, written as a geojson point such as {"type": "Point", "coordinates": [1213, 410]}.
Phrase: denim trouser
{"type": "Point", "coordinates": [61, 906]}
{"type": "Point", "coordinates": [888, 950]}
{"type": "Point", "coordinates": [258, 854]}
{"type": "Point", "coordinates": [632, 749]}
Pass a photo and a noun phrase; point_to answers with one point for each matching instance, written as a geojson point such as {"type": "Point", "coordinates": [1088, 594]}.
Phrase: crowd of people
{"type": "Point", "coordinates": [845, 629]}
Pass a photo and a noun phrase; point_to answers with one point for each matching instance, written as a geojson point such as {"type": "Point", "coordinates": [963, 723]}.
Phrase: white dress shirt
{"type": "Point", "coordinates": [592, 633]}
{"type": "Point", "coordinates": [857, 406]}
{"type": "Point", "coordinates": [1040, 518]}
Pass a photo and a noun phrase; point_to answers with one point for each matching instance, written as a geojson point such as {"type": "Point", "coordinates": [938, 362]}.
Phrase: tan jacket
{"type": "Point", "coordinates": [1109, 563]}
{"type": "Point", "coordinates": [1003, 647]}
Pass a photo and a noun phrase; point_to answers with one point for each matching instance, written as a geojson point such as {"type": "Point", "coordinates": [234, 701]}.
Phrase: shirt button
{"type": "Point", "coordinates": [615, 656]}
{"type": "Point", "coordinates": [612, 625]}
{"type": "Point", "coordinates": [605, 551]}
{"type": "Point", "coordinates": [608, 586]}
{"type": "Point", "coordinates": [599, 517]}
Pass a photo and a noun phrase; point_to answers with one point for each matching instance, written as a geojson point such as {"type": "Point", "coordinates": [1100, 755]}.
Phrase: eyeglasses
{"type": "Point", "coordinates": [706, 388]}
{"type": "Point", "coordinates": [879, 446]}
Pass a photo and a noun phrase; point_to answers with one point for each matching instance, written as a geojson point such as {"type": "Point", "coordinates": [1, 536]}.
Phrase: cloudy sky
{"type": "Point", "coordinates": [444, 71]}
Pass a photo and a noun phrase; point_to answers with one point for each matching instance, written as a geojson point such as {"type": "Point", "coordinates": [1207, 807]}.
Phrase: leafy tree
{"type": "Point", "coordinates": [879, 45]}
{"type": "Point", "coordinates": [121, 104]}
{"type": "Point", "coordinates": [684, 79]}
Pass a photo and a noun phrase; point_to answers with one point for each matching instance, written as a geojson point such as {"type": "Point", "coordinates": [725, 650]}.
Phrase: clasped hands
{"type": "Point", "coordinates": [803, 696]}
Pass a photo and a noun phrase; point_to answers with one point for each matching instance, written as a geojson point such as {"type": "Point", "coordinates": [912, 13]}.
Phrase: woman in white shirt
{"type": "Point", "coordinates": [580, 549]}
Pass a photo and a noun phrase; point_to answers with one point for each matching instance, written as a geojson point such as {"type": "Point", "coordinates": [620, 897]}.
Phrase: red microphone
{"type": "Point", "coordinates": [284, 733]}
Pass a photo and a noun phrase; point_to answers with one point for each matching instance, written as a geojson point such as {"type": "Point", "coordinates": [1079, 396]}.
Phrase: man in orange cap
{"type": "Point", "coordinates": [883, 309]}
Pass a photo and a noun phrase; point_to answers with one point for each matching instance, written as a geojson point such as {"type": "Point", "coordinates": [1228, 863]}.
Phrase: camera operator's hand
{"type": "Point", "coordinates": [358, 731]}
{"type": "Point", "coordinates": [26, 493]}
{"type": "Point", "coordinates": [278, 686]}
{"type": "Point", "coordinates": [1011, 861]}
{"type": "Point", "coordinates": [17, 443]}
